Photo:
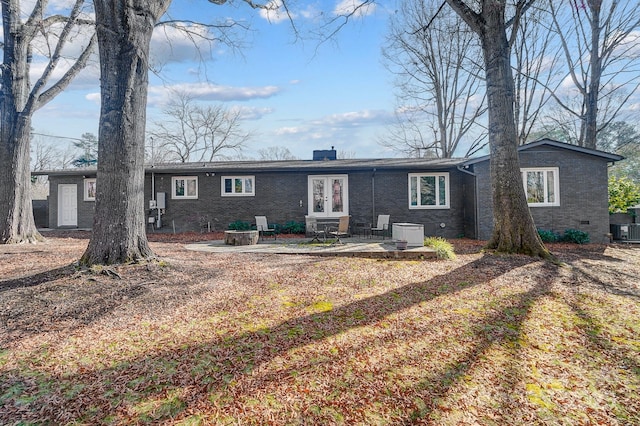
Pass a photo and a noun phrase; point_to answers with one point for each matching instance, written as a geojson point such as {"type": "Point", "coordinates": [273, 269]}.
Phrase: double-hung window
{"type": "Point", "coordinates": [238, 186]}
{"type": "Point", "coordinates": [184, 187]}
{"type": "Point", "coordinates": [428, 190]}
{"type": "Point", "coordinates": [541, 186]}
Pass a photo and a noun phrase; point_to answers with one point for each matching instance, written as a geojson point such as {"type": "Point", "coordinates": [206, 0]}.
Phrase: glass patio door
{"type": "Point", "coordinates": [328, 196]}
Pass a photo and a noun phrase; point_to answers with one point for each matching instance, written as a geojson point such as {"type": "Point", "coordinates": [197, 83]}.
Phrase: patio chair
{"type": "Point", "coordinates": [383, 225]}
{"type": "Point", "coordinates": [311, 229]}
{"type": "Point", "coordinates": [342, 231]}
{"type": "Point", "coordinates": [263, 227]}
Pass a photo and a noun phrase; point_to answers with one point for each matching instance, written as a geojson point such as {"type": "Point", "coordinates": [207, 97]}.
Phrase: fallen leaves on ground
{"type": "Point", "coordinates": [202, 338]}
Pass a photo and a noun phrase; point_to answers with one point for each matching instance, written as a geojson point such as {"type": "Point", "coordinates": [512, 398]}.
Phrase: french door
{"type": "Point", "coordinates": [328, 196]}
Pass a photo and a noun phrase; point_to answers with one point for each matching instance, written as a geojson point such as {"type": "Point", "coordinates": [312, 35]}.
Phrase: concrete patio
{"type": "Point", "coordinates": [352, 247]}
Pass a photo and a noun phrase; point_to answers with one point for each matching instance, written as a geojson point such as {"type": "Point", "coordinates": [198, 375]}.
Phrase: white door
{"type": "Point", "coordinates": [67, 205]}
{"type": "Point", "coordinates": [328, 196]}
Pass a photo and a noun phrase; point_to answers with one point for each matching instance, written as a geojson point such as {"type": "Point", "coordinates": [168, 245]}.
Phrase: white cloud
{"type": "Point", "coordinates": [356, 7]}
{"type": "Point", "coordinates": [283, 131]}
{"type": "Point", "coordinates": [93, 97]}
{"type": "Point", "coordinates": [356, 118]}
{"type": "Point", "coordinates": [184, 42]}
{"type": "Point", "coordinates": [159, 95]}
{"type": "Point", "coordinates": [275, 12]}
{"type": "Point", "coordinates": [629, 48]}
{"type": "Point", "coordinates": [252, 113]}
{"type": "Point", "coordinates": [88, 78]}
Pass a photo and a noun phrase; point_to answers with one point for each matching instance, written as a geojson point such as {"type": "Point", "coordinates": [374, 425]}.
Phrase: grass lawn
{"type": "Point", "coordinates": [248, 339]}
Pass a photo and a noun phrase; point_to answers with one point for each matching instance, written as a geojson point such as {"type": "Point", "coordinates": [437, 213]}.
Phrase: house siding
{"type": "Point", "coordinates": [279, 196]}
{"type": "Point", "coordinates": [583, 193]}
{"type": "Point", "coordinates": [375, 187]}
{"type": "Point", "coordinates": [392, 198]}
{"type": "Point", "coordinates": [85, 208]}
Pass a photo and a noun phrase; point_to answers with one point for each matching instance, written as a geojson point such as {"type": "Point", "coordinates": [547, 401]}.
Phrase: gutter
{"type": "Point", "coordinates": [373, 196]}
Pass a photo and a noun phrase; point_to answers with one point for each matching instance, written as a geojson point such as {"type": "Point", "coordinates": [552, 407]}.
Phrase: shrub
{"type": "Point", "coordinates": [240, 225]}
{"type": "Point", "coordinates": [548, 236]}
{"type": "Point", "coordinates": [443, 248]}
{"type": "Point", "coordinates": [293, 227]}
{"type": "Point", "coordinates": [623, 193]}
{"type": "Point", "coordinates": [575, 236]}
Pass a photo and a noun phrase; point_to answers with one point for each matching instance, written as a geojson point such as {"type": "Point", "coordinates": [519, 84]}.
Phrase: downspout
{"type": "Point", "coordinates": [461, 168]}
{"type": "Point", "coordinates": [373, 196]}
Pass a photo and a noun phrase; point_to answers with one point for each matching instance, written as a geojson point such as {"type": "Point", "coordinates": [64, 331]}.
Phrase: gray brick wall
{"type": "Point", "coordinates": [583, 193]}
{"type": "Point", "coordinates": [85, 208]}
{"type": "Point", "coordinates": [278, 196]}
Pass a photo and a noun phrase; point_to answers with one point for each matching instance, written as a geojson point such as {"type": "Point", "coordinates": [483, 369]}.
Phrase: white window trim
{"type": "Point", "coordinates": [447, 205]}
{"type": "Point", "coordinates": [174, 196]}
{"type": "Point", "coordinates": [87, 197]}
{"type": "Point", "coordinates": [238, 194]}
{"type": "Point", "coordinates": [556, 184]}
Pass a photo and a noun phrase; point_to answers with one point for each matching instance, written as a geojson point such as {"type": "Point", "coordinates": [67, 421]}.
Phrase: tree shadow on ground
{"type": "Point", "coordinates": [229, 358]}
{"type": "Point", "coordinates": [36, 279]}
{"type": "Point", "coordinates": [620, 279]}
{"type": "Point", "coordinates": [66, 298]}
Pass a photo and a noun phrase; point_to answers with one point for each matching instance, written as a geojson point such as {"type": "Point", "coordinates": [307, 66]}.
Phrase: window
{"type": "Point", "coordinates": [238, 186]}
{"type": "Point", "coordinates": [428, 190]}
{"type": "Point", "coordinates": [184, 187]}
{"type": "Point", "coordinates": [541, 186]}
{"type": "Point", "coordinates": [90, 189]}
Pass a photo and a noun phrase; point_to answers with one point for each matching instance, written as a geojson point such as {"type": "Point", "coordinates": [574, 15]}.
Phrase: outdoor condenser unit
{"type": "Point", "coordinates": [620, 232]}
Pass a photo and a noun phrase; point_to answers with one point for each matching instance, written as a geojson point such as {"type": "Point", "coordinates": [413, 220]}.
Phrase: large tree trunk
{"type": "Point", "coordinates": [514, 230]}
{"type": "Point", "coordinates": [17, 225]}
{"type": "Point", "coordinates": [590, 120]}
{"type": "Point", "coordinates": [513, 227]}
{"type": "Point", "coordinates": [16, 212]}
{"type": "Point", "coordinates": [124, 31]}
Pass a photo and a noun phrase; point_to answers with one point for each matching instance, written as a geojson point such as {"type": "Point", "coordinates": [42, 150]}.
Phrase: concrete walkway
{"type": "Point", "coordinates": [352, 247]}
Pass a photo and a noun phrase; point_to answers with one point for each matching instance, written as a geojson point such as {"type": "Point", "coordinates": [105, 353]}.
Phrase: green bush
{"type": "Point", "coordinates": [293, 227]}
{"type": "Point", "coordinates": [548, 236]}
{"type": "Point", "coordinates": [575, 236]}
{"type": "Point", "coordinates": [623, 193]}
{"type": "Point", "coordinates": [240, 225]}
{"type": "Point", "coordinates": [443, 248]}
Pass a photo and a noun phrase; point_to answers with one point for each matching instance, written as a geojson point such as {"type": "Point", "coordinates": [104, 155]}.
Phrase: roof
{"type": "Point", "coordinates": [283, 166]}
{"type": "Point", "coordinates": [550, 142]}
{"type": "Point", "coordinates": [256, 166]}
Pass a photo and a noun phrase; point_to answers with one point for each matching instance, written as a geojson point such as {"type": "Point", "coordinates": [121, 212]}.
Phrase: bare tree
{"type": "Point", "coordinates": [124, 31]}
{"type": "Point", "coordinates": [436, 63]}
{"type": "Point", "coordinates": [44, 156]}
{"type": "Point", "coordinates": [344, 154]}
{"type": "Point", "coordinates": [19, 99]}
{"type": "Point", "coordinates": [514, 230]}
{"type": "Point", "coordinates": [536, 68]}
{"type": "Point", "coordinates": [601, 48]}
{"type": "Point", "coordinates": [276, 153]}
{"type": "Point", "coordinates": [193, 132]}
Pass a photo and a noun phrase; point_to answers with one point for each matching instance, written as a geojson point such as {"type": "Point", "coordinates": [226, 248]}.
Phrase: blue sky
{"type": "Point", "coordinates": [296, 94]}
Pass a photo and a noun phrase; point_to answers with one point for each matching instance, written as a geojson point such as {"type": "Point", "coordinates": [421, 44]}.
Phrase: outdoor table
{"type": "Point", "coordinates": [363, 228]}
